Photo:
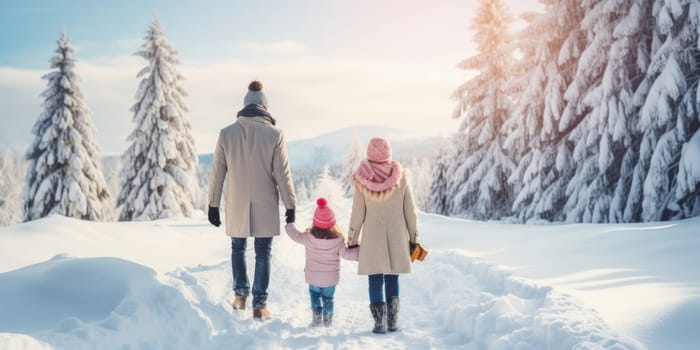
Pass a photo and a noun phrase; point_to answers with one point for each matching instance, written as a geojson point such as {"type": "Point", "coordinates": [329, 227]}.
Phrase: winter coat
{"type": "Point", "coordinates": [322, 268]}
{"type": "Point", "coordinates": [387, 222]}
{"type": "Point", "coordinates": [252, 155]}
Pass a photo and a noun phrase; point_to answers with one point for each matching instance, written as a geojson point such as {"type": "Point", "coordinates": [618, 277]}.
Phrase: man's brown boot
{"type": "Point", "coordinates": [239, 302]}
{"type": "Point", "coordinates": [261, 314]}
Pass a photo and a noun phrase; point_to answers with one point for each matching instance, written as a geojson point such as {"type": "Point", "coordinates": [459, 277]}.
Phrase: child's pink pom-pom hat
{"type": "Point", "coordinates": [323, 216]}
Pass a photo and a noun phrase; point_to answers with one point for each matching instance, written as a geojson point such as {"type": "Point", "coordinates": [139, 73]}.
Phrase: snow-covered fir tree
{"type": "Point", "coordinates": [480, 179]}
{"type": "Point", "coordinates": [111, 168]}
{"type": "Point", "coordinates": [440, 199]}
{"type": "Point", "coordinates": [687, 196]}
{"type": "Point", "coordinates": [328, 187]}
{"type": "Point", "coordinates": [601, 97]}
{"type": "Point", "coordinates": [203, 174]}
{"type": "Point", "coordinates": [550, 45]}
{"type": "Point", "coordinates": [302, 192]}
{"type": "Point", "coordinates": [669, 114]}
{"type": "Point", "coordinates": [63, 175]}
{"type": "Point", "coordinates": [12, 174]}
{"type": "Point", "coordinates": [350, 163]}
{"type": "Point", "coordinates": [419, 176]}
{"type": "Point", "coordinates": [159, 167]}
{"type": "Point", "coordinates": [629, 58]}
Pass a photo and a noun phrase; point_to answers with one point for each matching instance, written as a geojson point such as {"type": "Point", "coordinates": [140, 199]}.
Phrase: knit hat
{"type": "Point", "coordinates": [255, 96]}
{"type": "Point", "coordinates": [379, 150]}
{"type": "Point", "coordinates": [323, 216]}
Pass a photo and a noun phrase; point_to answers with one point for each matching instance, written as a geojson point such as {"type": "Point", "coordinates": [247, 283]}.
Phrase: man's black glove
{"type": "Point", "coordinates": [289, 216]}
{"type": "Point", "coordinates": [214, 218]}
{"type": "Point", "coordinates": [411, 247]}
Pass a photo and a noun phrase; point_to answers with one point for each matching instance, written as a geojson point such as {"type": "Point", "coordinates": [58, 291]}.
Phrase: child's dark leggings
{"type": "Point", "coordinates": [388, 284]}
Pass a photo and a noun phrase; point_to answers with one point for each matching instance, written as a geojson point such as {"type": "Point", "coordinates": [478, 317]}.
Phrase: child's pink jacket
{"type": "Point", "coordinates": [322, 257]}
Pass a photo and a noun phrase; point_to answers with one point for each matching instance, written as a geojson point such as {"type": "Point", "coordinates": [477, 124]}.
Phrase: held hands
{"type": "Point", "coordinates": [289, 216]}
{"type": "Point", "coordinates": [214, 218]}
{"type": "Point", "coordinates": [352, 243]}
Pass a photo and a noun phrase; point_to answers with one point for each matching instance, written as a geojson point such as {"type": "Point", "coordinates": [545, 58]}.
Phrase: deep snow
{"type": "Point", "coordinates": [69, 284]}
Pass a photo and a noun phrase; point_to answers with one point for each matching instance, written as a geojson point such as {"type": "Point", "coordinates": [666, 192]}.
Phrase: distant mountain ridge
{"type": "Point", "coordinates": [331, 148]}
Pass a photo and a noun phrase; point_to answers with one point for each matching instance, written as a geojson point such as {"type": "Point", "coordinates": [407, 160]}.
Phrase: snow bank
{"type": "Point", "coordinates": [103, 303]}
{"type": "Point", "coordinates": [21, 342]}
{"type": "Point", "coordinates": [167, 284]}
{"type": "Point", "coordinates": [495, 310]}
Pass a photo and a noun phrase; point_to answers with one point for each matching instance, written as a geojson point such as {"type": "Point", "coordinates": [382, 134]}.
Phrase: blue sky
{"type": "Point", "coordinates": [325, 64]}
{"type": "Point", "coordinates": [210, 30]}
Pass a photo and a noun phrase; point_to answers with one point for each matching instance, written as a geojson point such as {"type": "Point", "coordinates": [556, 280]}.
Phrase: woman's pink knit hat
{"type": "Point", "coordinates": [379, 150]}
{"type": "Point", "coordinates": [323, 216]}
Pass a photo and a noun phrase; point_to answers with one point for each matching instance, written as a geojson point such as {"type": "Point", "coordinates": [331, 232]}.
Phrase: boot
{"type": "Point", "coordinates": [261, 314]}
{"type": "Point", "coordinates": [379, 314]}
{"type": "Point", "coordinates": [239, 302]}
{"type": "Point", "coordinates": [392, 314]}
{"type": "Point", "coordinates": [327, 320]}
{"type": "Point", "coordinates": [316, 317]}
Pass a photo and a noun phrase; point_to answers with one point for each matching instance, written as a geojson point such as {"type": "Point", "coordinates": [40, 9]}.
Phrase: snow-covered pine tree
{"type": "Point", "coordinates": [669, 109]}
{"type": "Point", "coordinates": [12, 174]}
{"type": "Point", "coordinates": [601, 97]}
{"type": "Point", "coordinates": [633, 205]}
{"type": "Point", "coordinates": [350, 163]}
{"type": "Point", "coordinates": [420, 179]}
{"type": "Point", "coordinates": [629, 58]}
{"type": "Point", "coordinates": [439, 198]}
{"type": "Point", "coordinates": [480, 183]}
{"type": "Point", "coordinates": [158, 178]}
{"type": "Point", "coordinates": [111, 169]}
{"type": "Point", "coordinates": [63, 176]}
{"type": "Point", "coordinates": [328, 187]}
{"type": "Point", "coordinates": [302, 192]}
{"type": "Point", "coordinates": [551, 44]}
{"type": "Point", "coordinates": [687, 196]}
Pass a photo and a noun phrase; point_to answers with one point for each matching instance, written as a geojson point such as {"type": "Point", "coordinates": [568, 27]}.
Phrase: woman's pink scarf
{"type": "Point", "coordinates": [378, 177]}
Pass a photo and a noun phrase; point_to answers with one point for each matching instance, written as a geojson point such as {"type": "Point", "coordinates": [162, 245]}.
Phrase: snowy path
{"type": "Point", "coordinates": [168, 285]}
{"type": "Point", "coordinates": [452, 302]}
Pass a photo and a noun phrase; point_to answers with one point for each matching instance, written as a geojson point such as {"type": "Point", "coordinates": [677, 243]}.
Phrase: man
{"type": "Point", "coordinates": [252, 154]}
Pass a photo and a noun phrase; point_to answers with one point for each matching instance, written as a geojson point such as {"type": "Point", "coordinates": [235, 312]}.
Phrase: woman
{"type": "Point", "coordinates": [384, 211]}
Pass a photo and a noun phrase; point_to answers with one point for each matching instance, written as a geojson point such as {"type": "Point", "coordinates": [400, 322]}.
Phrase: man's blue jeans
{"type": "Point", "coordinates": [241, 285]}
{"type": "Point", "coordinates": [381, 285]}
{"type": "Point", "coordinates": [324, 294]}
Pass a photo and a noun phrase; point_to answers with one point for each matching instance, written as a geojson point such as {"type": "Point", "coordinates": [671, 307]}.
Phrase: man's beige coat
{"type": "Point", "coordinates": [252, 156]}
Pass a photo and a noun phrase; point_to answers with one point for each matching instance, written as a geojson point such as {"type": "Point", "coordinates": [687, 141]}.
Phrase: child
{"type": "Point", "coordinates": [325, 245]}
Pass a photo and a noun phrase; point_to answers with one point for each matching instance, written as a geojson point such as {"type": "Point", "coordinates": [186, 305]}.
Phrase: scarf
{"type": "Point", "coordinates": [254, 110]}
{"type": "Point", "coordinates": [378, 177]}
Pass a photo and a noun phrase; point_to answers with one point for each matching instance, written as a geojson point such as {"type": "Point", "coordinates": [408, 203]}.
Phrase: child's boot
{"type": "Point", "coordinates": [392, 314]}
{"type": "Point", "coordinates": [379, 314]}
{"type": "Point", "coordinates": [316, 317]}
{"type": "Point", "coordinates": [327, 320]}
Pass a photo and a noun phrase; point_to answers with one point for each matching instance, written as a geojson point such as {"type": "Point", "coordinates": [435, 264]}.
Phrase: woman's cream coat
{"type": "Point", "coordinates": [386, 222]}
